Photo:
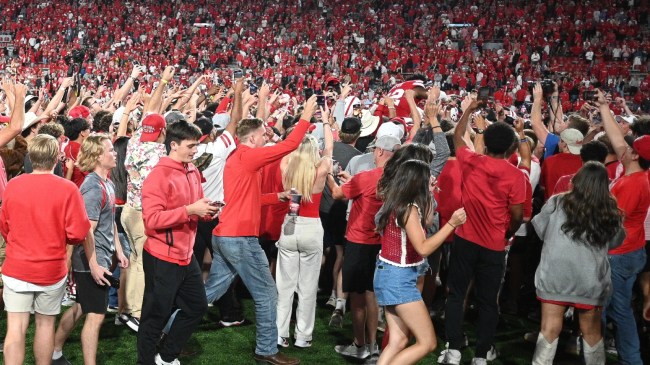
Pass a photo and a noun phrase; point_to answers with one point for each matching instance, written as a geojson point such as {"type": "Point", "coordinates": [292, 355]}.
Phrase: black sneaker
{"type": "Point", "coordinates": [133, 323]}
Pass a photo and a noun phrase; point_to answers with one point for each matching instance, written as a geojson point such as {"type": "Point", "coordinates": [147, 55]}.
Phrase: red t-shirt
{"type": "Point", "coordinates": [563, 184]}
{"type": "Point", "coordinates": [489, 187]}
{"type": "Point", "coordinates": [361, 223]}
{"type": "Point", "coordinates": [632, 193]}
{"type": "Point", "coordinates": [448, 196]}
{"type": "Point", "coordinates": [40, 214]}
{"type": "Point", "coordinates": [557, 166]}
{"type": "Point", "coordinates": [72, 151]}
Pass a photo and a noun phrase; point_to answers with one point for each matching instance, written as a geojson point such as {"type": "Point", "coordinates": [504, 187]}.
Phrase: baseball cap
{"type": "Point", "coordinates": [206, 127]}
{"type": "Point", "coordinates": [351, 125]}
{"type": "Point", "coordinates": [152, 125]}
{"type": "Point", "coordinates": [642, 147]}
{"type": "Point", "coordinates": [221, 120]}
{"type": "Point", "coordinates": [79, 111]}
{"type": "Point", "coordinates": [627, 119]}
{"type": "Point", "coordinates": [388, 143]}
{"type": "Point", "coordinates": [573, 139]}
{"type": "Point", "coordinates": [391, 129]}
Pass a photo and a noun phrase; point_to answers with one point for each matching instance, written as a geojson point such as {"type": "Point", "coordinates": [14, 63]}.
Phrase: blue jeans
{"type": "Point", "coordinates": [625, 268]}
{"type": "Point", "coordinates": [244, 256]}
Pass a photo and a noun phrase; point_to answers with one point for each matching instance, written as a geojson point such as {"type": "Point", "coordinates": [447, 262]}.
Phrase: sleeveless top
{"type": "Point", "coordinates": [311, 210]}
{"type": "Point", "coordinates": [396, 249]}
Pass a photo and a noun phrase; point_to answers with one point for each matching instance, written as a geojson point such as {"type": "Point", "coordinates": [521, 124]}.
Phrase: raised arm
{"type": "Point", "coordinates": [128, 108]}
{"type": "Point", "coordinates": [16, 99]}
{"type": "Point", "coordinates": [154, 104]}
{"type": "Point", "coordinates": [524, 146]}
{"type": "Point", "coordinates": [612, 129]}
{"type": "Point", "coordinates": [536, 114]}
{"type": "Point", "coordinates": [263, 98]}
{"type": "Point", "coordinates": [461, 127]}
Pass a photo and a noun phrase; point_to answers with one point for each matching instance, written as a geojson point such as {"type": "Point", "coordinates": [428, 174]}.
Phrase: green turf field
{"type": "Point", "coordinates": [233, 346]}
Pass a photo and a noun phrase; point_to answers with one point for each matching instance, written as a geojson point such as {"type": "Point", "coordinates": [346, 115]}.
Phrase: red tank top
{"type": "Point", "coordinates": [310, 210]}
{"type": "Point", "coordinates": [396, 249]}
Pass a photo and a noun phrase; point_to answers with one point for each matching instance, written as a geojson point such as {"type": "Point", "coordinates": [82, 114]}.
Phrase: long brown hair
{"type": "Point", "coordinates": [593, 217]}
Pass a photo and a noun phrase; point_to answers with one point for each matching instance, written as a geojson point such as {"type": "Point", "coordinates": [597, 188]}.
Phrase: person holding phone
{"type": "Point", "coordinates": [91, 262]}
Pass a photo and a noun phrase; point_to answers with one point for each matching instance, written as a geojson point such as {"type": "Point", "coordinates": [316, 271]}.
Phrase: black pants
{"type": "Point", "coordinates": [229, 304]}
{"type": "Point", "coordinates": [167, 286]}
{"type": "Point", "coordinates": [470, 261]}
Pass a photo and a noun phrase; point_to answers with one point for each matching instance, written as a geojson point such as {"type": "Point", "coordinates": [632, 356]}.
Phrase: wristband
{"type": "Point", "coordinates": [391, 107]}
{"type": "Point", "coordinates": [437, 127]}
{"type": "Point", "coordinates": [451, 225]}
{"type": "Point", "coordinates": [523, 140]}
{"type": "Point", "coordinates": [163, 81]}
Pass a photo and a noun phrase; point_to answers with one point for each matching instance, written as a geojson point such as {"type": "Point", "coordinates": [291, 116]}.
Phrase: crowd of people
{"type": "Point", "coordinates": [391, 151]}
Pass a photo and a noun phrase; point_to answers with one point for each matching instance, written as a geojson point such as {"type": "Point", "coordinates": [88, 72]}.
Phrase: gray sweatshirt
{"type": "Point", "coordinates": [570, 271]}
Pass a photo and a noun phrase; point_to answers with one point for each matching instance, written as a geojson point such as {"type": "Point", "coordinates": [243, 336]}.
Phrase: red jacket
{"type": "Point", "coordinates": [166, 191]}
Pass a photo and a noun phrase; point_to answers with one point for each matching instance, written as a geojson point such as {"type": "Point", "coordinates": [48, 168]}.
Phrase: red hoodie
{"type": "Point", "coordinates": [166, 191]}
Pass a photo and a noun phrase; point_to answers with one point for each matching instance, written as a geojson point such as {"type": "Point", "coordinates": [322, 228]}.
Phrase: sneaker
{"type": "Point", "coordinates": [337, 319]}
{"type": "Point", "coordinates": [372, 360]}
{"type": "Point", "coordinates": [610, 346]}
{"type": "Point", "coordinates": [465, 341]}
{"type": "Point", "coordinates": [374, 350]}
{"type": "Point", "coordinates": [449, 357]}
{"type": "Point", "coordinates": [359, 352]}
{"type": "Point", "coordinates": [160, 361]}
{"type": "Point", "coordinates": [302, 344]}
{"type": "Point", "coordinates": [133, 323]}
{"type": "Point", "coordinates": [68, 301]}
{"type": "Point", "coordinates": [492, 354]}
{"type": "Point", "coordinates": [232, 323]}
{"type": "Point", "coordinates": [479, 361]}
{"type": "Point", "coordinates": [283, 341]}
{"type": "Point", "coordinates": [531, 337]}
{"type": "Point", "coordinates": [111, 309]}
{"type": "Point", "coordinates": [331, 302]}
{"type": "Point", "coordinates": [61, 361]}
{"type": "Point", "coordinates": [381, 326]}
{"type": "Point", "coordinates": [118, 321]}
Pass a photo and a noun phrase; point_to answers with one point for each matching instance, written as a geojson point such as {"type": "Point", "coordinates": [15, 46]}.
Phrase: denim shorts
{"type": "Point", "coordinates": [395, 285]}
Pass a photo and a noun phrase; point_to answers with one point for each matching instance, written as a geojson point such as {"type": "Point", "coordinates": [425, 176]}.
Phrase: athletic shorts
{"type": "Point", "coordinates": [41, 302]}
{"type": "Point", "coordinates": [359, 267]}
{"type": "Point", "coordinates": [92, 297]}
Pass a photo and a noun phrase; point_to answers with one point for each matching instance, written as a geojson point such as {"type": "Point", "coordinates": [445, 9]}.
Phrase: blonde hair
{"type": "Point", "coordinates": [301, 169]}
{"type": "Point", "coordinates": [91, 150]}
{"type": "Point", "coordinates": [43, 152]}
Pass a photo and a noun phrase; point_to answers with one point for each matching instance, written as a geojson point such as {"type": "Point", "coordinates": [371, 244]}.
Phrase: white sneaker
{"type": "Point", "coordinates": [374, 350]}
{"type": "Point", "coordinates": [449, 357]}
{"type": "Point", "coordinates": [159, 361]}
{"type": "Point", "coordinates": [479, 361]}
{"type": "Point", "coordinates": [352, 350]}
{"type": "Point", "coordinates": [302, 344]}
{"type": "Point", "coordinates": [492, 354]}
{"type": "Point", "coordinates": [331, 302]}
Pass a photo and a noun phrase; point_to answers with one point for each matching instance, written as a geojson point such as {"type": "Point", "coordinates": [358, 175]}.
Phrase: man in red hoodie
{"type": "Point", "coordinates": [235, 240]}
{"type": "Point", "coordinates": [172, 204]}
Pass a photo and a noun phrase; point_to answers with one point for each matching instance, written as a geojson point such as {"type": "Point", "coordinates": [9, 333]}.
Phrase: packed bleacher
{"type": "Point", "coordinates": [415, 161]}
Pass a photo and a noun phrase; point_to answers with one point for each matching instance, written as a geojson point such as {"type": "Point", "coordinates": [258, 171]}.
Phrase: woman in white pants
{"type": "Point", "coordinates": [300, 247]}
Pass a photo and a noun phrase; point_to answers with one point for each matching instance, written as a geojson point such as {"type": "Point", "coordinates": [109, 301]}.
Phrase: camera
{"type": "Point", "coordinates": [74, 61]}
{"type": "Point", "coordinates": [590, 95]}
{"type": "Point", "coordinates": [548, 87]}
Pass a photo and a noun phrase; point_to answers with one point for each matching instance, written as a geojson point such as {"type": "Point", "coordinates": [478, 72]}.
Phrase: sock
{"type": "Point", "coordinates": [333, 295]}
{"type": "Point", "coordinates": [340, 304]}
{"type": "Point", "coordinates": [57, 355]}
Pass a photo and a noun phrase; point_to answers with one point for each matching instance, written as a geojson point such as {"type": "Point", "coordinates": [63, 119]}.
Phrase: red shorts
{"type": "Point", "coordinates": [586, 307]}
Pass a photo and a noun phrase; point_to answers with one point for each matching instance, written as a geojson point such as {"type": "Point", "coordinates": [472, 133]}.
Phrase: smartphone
{"type": "Point", "coordinates": [320, 98]}
{"type": "Point", "coordinates": [115, 283]}
{"type": "Point", "coordinates": [237, 74]}
{"type": "Point", "coordinates": [218, 204]}
{"type": "Point", "coordinates": [308, 92]}
{"type": "Point", "coordinates": [253, 89]}
{"type": "Point", "coordinates": [483, 94]}
{"type": "Point", "coordinates": [510, 120]}
{"type": "Point", "coordinates": [590, 95]}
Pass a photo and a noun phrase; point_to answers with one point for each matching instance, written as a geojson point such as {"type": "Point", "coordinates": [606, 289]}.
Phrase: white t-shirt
{"type": "Point", "coordinates": [220, 150]}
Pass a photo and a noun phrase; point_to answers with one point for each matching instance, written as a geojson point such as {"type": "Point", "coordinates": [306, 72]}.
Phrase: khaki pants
{"type": "Point", "coordinates": [134, 228]}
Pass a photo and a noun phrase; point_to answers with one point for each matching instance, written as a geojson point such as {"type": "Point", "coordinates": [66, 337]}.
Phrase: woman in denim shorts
{"type": "Point", "coordinates": [408, 207]}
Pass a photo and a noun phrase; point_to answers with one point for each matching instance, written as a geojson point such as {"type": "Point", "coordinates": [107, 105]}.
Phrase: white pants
{"type": "Point", "coordinates": [300, 251]}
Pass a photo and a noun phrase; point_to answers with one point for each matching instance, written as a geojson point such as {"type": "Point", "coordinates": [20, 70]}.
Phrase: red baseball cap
{"type": "Point", "coordinates": [79, 111]}
{"type": "Point", "coordinates": [152, 125]}
{"type": "Point", "coordinates": [642, 147]}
